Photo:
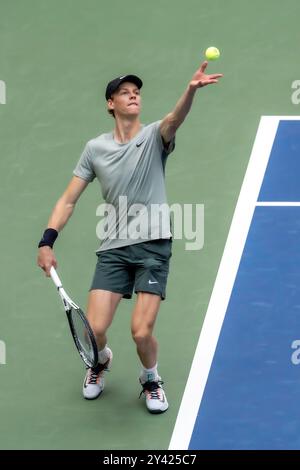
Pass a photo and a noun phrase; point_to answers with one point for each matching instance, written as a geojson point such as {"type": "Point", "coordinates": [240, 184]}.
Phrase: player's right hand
{"type": "Point", "coordinates": [46, 259]}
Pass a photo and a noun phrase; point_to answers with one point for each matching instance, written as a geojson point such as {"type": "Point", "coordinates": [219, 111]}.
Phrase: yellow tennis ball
{"type": "Point", "coordinates": [212, 53]}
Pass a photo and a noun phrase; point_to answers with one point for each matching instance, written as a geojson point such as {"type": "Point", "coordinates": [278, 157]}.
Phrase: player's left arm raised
{"type": "Point", "coordinates": [173, 120]}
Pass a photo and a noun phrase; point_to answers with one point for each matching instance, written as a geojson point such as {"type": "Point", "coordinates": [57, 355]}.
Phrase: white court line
{"type": "Point", "coordinates": [278, 203]}
{"type": "Point", "coordinates": [224, 281]}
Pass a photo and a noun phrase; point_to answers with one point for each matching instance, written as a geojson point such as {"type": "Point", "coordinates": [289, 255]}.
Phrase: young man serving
{"type": "Point", "coordinates": [136, 246]}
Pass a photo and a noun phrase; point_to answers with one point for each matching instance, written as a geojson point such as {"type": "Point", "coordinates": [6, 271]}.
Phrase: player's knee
{"type": "Point", "coordinates": [98, 330]}
{"type": "Point", "coordinates": [141, 336]}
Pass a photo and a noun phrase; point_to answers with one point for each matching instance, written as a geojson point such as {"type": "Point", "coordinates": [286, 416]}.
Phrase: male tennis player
{"type": "Point", "coordinates": [129, 163]}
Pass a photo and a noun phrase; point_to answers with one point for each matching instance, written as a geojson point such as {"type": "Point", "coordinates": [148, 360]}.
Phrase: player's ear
{"type": "Point", "coordinates": [110, 104]}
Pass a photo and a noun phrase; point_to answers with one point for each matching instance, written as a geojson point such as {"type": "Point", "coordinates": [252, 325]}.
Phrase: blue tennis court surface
{"type": "Point", "coordinates": [251, 396]}
{"type": "Point", "coordinates": [251, 400]}
{"type": "Point", "coordinates": [281, 181]}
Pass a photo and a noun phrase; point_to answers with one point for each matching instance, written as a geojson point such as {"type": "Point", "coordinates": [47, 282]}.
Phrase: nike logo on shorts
{"type": "Point", "coordinates": [152, 282]}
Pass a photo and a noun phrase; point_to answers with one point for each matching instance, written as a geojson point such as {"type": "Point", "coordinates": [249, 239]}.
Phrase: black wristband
{"type": "Point", "coordinates": [48, 238]}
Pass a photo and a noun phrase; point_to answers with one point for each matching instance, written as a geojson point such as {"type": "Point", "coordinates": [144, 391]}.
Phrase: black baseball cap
{"type": "Point", "coordinates": [114, 84]}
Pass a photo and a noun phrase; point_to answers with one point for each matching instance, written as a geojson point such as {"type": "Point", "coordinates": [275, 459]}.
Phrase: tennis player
{"type": "Point", "coordinates": [136, 241]}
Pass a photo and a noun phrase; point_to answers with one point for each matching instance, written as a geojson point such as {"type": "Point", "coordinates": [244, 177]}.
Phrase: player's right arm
{"type": "Point", "coordinates": [173, 120]}
{"type": "Point", "coordinates": [58, 219]}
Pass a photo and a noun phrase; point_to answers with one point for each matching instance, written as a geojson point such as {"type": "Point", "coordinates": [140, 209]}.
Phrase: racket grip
{"type": "Point", "coordinates": [55, 277]}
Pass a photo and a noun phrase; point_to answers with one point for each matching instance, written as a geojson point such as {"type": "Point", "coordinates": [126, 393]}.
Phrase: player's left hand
{"type": "Point", "coordinates": [200, 79]}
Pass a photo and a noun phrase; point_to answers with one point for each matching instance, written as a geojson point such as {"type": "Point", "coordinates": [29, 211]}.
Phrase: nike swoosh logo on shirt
{"type": "Point", "coordinates": [152, 282]}
{"type": "Point", "coordinates": [140, 143]}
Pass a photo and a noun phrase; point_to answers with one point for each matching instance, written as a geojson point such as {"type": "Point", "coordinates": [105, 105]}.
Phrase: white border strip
{"type": "Point", "coordinates": [224, 281]}
{"type": "Point", "coordinates": [278, 203]}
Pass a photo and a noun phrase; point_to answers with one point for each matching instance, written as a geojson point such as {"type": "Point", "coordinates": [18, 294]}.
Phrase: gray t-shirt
{"type": "Point", "coordinates": [132, 179]}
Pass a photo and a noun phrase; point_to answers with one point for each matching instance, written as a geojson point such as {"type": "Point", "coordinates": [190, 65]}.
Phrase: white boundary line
{"type": "Point", "coordinates": [224, 281]}
{"type": "Point", "coordinates": [278, 203]}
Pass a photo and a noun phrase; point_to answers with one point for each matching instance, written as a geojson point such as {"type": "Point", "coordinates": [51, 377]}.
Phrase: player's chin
{"type": "Point", "coordinates": [133, 110]}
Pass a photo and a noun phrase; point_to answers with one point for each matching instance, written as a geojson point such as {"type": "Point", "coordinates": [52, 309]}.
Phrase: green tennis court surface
{"type": "Point", "coordinates": [55, 60]}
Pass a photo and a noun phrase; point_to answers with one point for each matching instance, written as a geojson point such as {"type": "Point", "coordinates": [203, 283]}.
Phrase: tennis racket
{"type": "Point", "coordinates": [82, 333]}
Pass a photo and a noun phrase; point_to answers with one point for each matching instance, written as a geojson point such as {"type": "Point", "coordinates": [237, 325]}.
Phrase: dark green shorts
{"type": "Point", "coordinates": [143, 267]}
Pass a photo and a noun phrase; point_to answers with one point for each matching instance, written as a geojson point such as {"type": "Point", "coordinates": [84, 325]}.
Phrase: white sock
{"type": "Point", "coordinates": [103, 355]}
{"type": "Point", "coordinates": [149, 375]}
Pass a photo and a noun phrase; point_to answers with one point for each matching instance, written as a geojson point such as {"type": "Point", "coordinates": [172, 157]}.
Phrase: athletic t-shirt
{"type": "Point", "coordinates": [132, 180]}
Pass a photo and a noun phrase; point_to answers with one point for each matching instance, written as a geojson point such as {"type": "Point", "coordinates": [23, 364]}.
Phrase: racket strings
{"type": "Point", "coordinates": [84, 341]}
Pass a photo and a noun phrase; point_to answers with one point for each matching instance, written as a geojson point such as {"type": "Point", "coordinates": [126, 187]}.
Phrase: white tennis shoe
{"type": "Point", "coordinates": [156, 400]}
{"type": "Point", "coordinates": [94, 382]}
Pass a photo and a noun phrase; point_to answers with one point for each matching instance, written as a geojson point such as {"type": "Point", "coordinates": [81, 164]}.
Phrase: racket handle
{"type": "Point", "coordinates": [55, 277]}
